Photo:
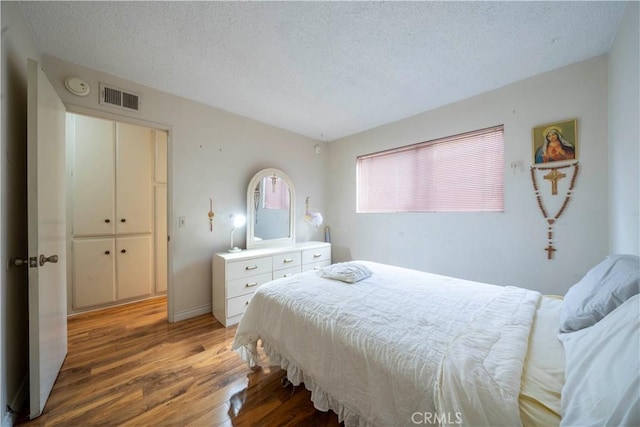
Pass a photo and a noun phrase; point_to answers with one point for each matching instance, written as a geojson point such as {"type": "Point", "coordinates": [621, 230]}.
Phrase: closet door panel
{"type": "Point", "coordinates": [93, 272]}
{"type": "Point", "coordinates": [134, 159]}
{"type": "Point", "coordinates": [133, 267]}
{"type": "Point", "coordinates": [93, 177]}
{"type": "Point", "coordinates": [161, 238]}
{"type": "Point", "coordinates": [161, 157]}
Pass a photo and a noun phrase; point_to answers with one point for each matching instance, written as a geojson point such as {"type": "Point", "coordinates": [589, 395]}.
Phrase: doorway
{"type": "Point", "coordinates": [117, 203]}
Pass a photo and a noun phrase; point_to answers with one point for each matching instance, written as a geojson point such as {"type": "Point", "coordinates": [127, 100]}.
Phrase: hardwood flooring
{"type": "Point", "coordinates": [127, 366]}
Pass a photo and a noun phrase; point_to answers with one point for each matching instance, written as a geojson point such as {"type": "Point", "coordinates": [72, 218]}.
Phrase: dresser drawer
{"type": "Point", "coordinates": [287, 260]}
{"type": "Point", "coordinates": [246, 285]}
{"type": "Point", "coordinates": [238, 305]}
{"type": "Point", "coordinates": [316, 255]}
{"type": "Point", "coordinates": [316, 265]}
{"type": "Point", "coordinates": [286, 272]}
{"type": "Point", "coordinates": [247, 268]}
{"type": "Point", "coordinates": [237, 276]}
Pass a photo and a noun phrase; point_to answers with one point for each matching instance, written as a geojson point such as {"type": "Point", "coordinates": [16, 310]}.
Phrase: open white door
{"type": "Point", "coordinates": [47, 234]}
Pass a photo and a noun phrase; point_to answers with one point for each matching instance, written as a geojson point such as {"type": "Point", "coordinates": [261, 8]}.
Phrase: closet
{"type": "Point", "coordinates": [118, 206]}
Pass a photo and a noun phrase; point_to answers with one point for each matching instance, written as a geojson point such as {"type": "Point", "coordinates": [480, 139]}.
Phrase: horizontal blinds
{"type": "Point", "coordinates": [276, 193]}
{"type": "Point", "coordinates": [462, 173]}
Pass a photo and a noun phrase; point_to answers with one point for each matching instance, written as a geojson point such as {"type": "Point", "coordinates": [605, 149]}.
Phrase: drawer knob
{"type": "Point", "coordinates": [246, 303]}
{"type": "Point", "coordinates": [124, 251]}
{"type": "Point", "coordinates": [107, 252]}
{"type": "Point", "coordinates": [123, 220]}
{"type": "Point", "coordinates": [251, 285]}
{"type": "Point", "coordinates": [252, 267]}
{"type": "Point", "coordinates": [317, 255]}
{"type": "Point", "coordinates": [288, 275]}
{"type": "Point", "coordinates": [288, 260]}
{"type": "Point", "coordinates": [107, 221]}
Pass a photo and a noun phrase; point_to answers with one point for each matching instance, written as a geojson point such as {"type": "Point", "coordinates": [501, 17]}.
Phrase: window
{"type": "Point", "coordinates": [276, 193]}
{"type": "Point", "coordinates": [460, 173]}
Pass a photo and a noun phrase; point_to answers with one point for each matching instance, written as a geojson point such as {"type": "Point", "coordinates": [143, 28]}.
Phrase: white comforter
{"type": "Point", "coordinates": [400, 348]}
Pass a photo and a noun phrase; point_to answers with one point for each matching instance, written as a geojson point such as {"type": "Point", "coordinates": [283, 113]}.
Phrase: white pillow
{"type": "Point", "coordinates": [601, 290]}
{"type": "Point", "coordinates": [602, 386]}
{"type": "Point", "coordinates": [348, 272]}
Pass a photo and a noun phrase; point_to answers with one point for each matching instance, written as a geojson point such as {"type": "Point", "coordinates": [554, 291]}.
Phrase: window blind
{"type": "Point", "coordinates": [461, 173]}
{"type": "Point", "coordinates": [276, 193]}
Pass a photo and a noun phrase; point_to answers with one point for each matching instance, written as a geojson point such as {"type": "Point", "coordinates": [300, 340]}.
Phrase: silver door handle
{"type": "Point", "coordinates": [52, 259]}
{"type": "Point", "coordinates": [19, 262]}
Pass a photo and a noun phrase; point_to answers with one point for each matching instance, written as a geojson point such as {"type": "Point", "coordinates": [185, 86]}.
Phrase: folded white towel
{"type": "Point", "coordinates": [349, 272]}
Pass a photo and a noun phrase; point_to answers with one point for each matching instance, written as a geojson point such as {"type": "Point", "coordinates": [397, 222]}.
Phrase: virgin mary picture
{"type": "Point", "coordinates": [555, 142]}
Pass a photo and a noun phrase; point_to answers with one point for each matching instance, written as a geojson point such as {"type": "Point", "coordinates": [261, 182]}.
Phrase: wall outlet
{"type": "Point", "coordinates": [182, 222]}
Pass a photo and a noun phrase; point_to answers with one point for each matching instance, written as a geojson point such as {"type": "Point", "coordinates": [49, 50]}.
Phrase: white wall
{"type": "Point", "coordinates": [504, 248]}
{"type": "Point", "coordinates": [213, 154]}
{"type": "Point", "coordinates": [624, 135]}
{"type": "Point", "coordinates": [17, 46]}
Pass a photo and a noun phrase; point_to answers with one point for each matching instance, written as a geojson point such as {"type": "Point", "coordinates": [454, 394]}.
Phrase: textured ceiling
{"type": "Point", "coordinates": [324, 69]}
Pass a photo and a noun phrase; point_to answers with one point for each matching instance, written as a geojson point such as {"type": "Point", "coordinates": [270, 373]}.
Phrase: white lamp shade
{"type": "Point", "coordinates": [239, 220]}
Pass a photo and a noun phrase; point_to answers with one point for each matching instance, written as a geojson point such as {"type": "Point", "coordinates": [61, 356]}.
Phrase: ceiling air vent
{"type": "Point", "coordinates": [113, 96]}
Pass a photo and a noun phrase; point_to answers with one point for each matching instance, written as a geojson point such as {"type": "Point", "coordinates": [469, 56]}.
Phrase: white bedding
{"type": "Point", "coordinates": [544, 367]}
{"type": "Point", "coordinates": [401, 347]}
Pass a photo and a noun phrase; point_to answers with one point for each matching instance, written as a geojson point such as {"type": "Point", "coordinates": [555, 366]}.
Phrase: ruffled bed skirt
{"type": "Point", "coordinates": [322, 401]}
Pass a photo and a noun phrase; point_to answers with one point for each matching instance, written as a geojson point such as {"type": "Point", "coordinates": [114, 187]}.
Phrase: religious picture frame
{"type": "Point", "coordinates": [555, 142]}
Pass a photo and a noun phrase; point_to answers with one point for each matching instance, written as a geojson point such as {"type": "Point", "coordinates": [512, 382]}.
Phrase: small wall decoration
{"type": "Point", "coordinates": [555, 142]}
{"type": "Point", "coordinates": [211, 214]}
{"type": "Point", "coordinates": [553, 174]}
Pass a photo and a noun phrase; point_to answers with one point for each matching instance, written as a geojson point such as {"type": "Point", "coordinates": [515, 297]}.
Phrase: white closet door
{"type": "Point", "coordinates": [93, 272]}
{"type": "Point", "coordinates": [93, 176]}
{"type": "Point", "coordinates": [161, 157]}
{"type": "Point", "coordinates": [134, 266]}
{"type": "Point", "coordinates": [161, 238]}
{"type": "Point", "coordinates": [134, 161]}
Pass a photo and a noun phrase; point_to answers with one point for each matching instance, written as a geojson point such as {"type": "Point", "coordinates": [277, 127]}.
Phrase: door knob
{"type": "Point", "coordinates": [43, 259]}
{"type": "Point", "coordinates": [31, 262]}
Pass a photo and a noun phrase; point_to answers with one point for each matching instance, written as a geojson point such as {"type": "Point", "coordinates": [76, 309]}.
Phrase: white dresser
{"type": "Point", "coordinates": [236, 276]}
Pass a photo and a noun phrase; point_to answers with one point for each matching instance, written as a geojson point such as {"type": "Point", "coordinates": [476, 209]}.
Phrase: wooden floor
{"type": "Point", "coordinates": [128, 366]}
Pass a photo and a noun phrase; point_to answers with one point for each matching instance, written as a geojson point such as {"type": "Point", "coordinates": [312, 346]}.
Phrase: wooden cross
{"type": "Point", "coordinates": [550, 250]}
{"type": "Point", "coordinates": [554, 176]}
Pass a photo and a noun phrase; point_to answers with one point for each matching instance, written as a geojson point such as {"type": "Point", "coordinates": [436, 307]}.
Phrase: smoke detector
{"type": "Point", "coordinates": [77, 86]}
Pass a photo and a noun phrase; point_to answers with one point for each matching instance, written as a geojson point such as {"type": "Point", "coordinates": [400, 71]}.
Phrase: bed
{"type": "Point", "coordinates": [387, 346]}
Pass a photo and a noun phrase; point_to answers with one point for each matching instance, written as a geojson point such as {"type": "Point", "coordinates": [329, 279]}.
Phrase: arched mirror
{"type": "Point", "coordinates": [271, 205]}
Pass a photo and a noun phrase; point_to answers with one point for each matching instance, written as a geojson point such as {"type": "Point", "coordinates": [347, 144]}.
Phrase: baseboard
{"type": "Point", "coordinates": [113, 305]}
{"type": "Point", "coordinates": [188, 314]}
{"type": "Point", "coordinates": [17, 404]}
{"type": "Point", "coordinates": [8, 419]}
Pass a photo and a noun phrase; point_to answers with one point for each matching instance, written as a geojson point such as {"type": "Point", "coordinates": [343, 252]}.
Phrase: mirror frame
{"type": "Point", "coordinates": [252, 243]}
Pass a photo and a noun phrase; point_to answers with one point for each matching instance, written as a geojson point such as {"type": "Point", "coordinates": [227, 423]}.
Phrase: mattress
{"type": "Point", "coordinates": [399, 347]}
